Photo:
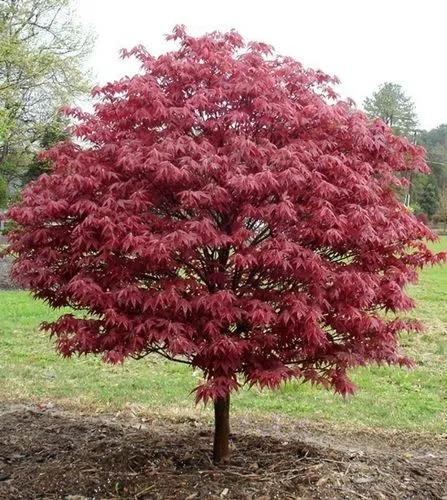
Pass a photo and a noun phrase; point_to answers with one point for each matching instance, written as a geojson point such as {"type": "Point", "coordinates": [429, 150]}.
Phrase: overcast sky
{"type": "Point", "coordinates": [363, 42]}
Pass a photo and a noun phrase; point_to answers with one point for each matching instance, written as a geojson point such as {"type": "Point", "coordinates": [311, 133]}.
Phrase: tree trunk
{"type": "Point", "coordinates": [221, 450]}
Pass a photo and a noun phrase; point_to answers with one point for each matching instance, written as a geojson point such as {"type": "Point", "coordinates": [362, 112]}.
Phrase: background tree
{"type": "Point", "coordinates": [428, 198]}
{"type": "Point", "coordinates": [3, 193]}
{"type": "Point", "coordinates": [49, 135]}
{"type": "Point", "coordinates": [42, 49]}
{"type": "Point", "coordinates": [435, 143]}
{"type": "Point", "coordinates": [442, 208]}
{"type": "Point", "coordinates": [425, 190]}
{"type": "Point", "coordinates": [390, 103]}
{"type": "Point", "coordinates": [226, 211]}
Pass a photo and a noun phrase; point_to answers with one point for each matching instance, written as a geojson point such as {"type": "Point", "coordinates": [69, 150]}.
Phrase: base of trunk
{"type": "Point", "coordinates": [221, 448]}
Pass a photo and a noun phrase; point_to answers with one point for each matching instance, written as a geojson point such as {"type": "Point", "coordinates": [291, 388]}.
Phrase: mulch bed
{"type": "Point", "coordinates": [59, 454]}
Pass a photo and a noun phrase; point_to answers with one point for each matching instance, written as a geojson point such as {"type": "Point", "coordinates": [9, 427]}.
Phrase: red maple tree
{"type": "Point", "coordinates": [225, 209]}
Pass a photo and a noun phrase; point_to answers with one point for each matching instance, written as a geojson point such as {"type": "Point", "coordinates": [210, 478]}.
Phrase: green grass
{"type": "Point", "coordinates": [387, 397]}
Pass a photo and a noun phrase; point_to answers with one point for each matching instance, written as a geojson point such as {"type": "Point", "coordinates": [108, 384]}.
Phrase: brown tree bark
{"type": "Point", "coordinates": [221, 449]}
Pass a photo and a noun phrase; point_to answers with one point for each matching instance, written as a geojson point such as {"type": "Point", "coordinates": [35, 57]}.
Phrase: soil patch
{"type": "Point", "coordinates": [56, 454]}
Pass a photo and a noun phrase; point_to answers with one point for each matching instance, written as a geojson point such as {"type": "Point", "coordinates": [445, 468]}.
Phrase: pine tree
{"type": "Point", "coordinates": [396, 109]}
{"type": "Point", "coordinates": [429, 199]}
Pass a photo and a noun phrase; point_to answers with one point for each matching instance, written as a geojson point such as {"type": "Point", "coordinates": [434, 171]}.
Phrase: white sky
{"type": "Point", "coordinates": [363, 42]}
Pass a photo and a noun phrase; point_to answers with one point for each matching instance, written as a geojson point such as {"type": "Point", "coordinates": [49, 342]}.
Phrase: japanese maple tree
{"type": "Point", "coordinates": [225, 209]}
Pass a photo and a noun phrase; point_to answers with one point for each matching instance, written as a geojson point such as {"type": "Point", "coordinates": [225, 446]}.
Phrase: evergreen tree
{"type": "Point", "coordinates": [428, 199]}
{"type": "Point", "coordinates": [390, 103]}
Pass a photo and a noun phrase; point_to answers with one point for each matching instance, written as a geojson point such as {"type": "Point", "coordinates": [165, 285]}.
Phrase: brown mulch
{"type": "Point", "coordinates": [60, 454]}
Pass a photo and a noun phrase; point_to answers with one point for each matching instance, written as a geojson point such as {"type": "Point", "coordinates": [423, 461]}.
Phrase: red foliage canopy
{"type": "Point", "coordinates": [225, 209]}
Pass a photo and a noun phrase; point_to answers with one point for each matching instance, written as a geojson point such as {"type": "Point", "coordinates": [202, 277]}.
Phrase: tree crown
{"type": "Point", "coordinates": [226, 210]}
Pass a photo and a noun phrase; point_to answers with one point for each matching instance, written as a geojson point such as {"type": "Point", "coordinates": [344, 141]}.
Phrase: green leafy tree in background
{"type": "Point", "coordinates": [3, 192]}
{"type": "Point", "coordinates": [428, 198]}
{"type": "Point", "coordinates": [42, 49]}
{"type": "Point", "coordinates": [435, 143]}
{"type": "Point", "coordinates": [396, 109]}
{"type": "Point", "coordinates": [442, 208]}
{"type": "Point", "coordinates": [51, 134]}
{"type": "Point", "coordinates": [390, 103]}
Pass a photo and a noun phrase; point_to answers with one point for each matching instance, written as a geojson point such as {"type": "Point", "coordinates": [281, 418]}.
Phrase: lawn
{"type": "Point", "coordinates": [388, 396]}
